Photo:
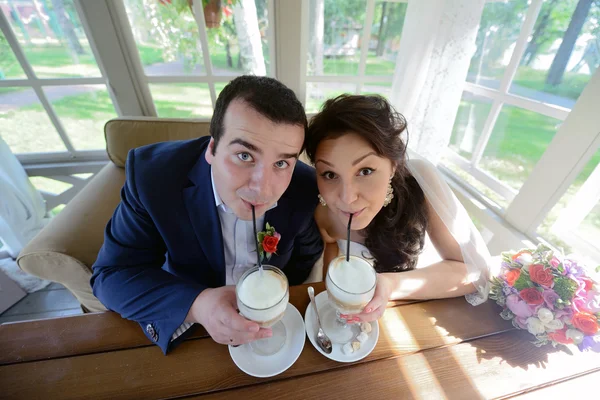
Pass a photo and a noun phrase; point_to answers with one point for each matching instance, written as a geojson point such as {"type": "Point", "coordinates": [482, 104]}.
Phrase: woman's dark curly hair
{"type": "Point", "coordinates": [396, 235]}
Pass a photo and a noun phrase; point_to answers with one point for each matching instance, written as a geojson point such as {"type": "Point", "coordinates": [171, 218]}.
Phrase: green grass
{"type": "Point", "coordinates": [571, 86]}
{"type": "Point", "coordinates": [519, 138]}
{"type": "Point", "coordinates": [349, 66]}
{"type": "Point", "coordinates": [83, 116]}
{"type": "Point", "coordinates": [518, 141]}
{"type": "Point", "coordinates": [5, 90]}
{"type": "Point", "coordinates": [9, 66]}
{"type": "Point", "coordinates": [55, 61]}
{"type": "Point", "coordinates": [150, 55]}
{"type": "Point", "coordinates": [182, 100]}
{"type": "Point", "coordinates": [80, 106]}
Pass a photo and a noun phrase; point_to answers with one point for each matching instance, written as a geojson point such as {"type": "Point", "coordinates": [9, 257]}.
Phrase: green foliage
{"type": "Point", "coordinates": [522, 282]}
{"type": "Point", "coordinates": [520, 137]}
{"type": "Point", "coordinates": [393, 20]}
{"type": "Point", "coordinates": [340, 14]}
{"type": "Point", "coordinates": [550, 25]}
{"type": "Point", "coordinates": [502, 23]}
{"type": "Point", "coordinates": [565, 288]}
{"type": "Point", "coordinates": [171, 26]}
{"type": "Point", "coordinates": [571, 86]}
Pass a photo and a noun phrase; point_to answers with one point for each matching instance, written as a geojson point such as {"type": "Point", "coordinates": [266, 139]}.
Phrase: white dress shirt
{"type": "Point", "coordinates": [239, 246]}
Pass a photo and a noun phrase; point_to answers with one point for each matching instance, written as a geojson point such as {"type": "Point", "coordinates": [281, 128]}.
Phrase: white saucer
{"type": "Point", "coordinates": [336, 354]}
{"type": "Point", "coordinates": [265, 366]}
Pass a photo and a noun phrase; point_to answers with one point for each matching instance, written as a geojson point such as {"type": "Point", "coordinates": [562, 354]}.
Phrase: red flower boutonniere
{"type": "Point", "coordinates": [267, 241]}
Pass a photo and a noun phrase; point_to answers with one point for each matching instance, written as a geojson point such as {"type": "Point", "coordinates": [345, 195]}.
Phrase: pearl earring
{"type": "Point", "coordinates": [389, 195]}
{"type": "Point", "coordinates": [321, 200]}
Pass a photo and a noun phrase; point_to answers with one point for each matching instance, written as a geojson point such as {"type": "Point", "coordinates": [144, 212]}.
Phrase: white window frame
{"type": "Point", "coordinates": [360, 79]}
{"type": "Point", "coordinates": [562, 161]}
{"type": "Point", "coordinates": [111, 39]}
{"type": "Point", "coordinates": [35, 83]}
{"type": "Point", "coordinates": [118, 16]}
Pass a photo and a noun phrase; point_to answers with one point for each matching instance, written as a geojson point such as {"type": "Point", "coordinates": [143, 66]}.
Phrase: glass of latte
{"type": "Point", "coordinates": [262, 297]}
{"type": "Point", "coordinates": [350, 287]}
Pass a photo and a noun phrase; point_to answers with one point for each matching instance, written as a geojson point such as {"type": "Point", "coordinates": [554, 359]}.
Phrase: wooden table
{"type": "Point", "coordinates": [426, 350]}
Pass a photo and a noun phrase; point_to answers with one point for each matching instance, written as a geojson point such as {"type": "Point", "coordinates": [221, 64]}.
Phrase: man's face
{"type": "Point", "coordinates": [254, 160]}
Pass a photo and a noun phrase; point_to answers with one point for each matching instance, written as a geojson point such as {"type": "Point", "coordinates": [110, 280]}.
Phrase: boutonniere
{"type": "Point", "coordinates": [267, 241]}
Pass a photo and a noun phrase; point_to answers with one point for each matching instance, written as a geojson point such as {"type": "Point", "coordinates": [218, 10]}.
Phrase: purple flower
{"type": "Point", "coordinates": [518, 306]}
{"type": "Point", "coordinates": [579, 304]}
{"type": "Point", "coordinates": [504, 264]}
{"type": "Point", "coordinates": [590, 343]}
{"type": "Point", "coordinates": [521, 322]}
{"type": "Point", "coordinates": [564, 315]}
{"type": "Point", "coordinates": [572, 270]}
{"type": "Point", "coordinates": [593, 301]}
{"type": "Point", "coordinates": [550, 298]}
{"type": "Point", "coordinates": [507, 290]}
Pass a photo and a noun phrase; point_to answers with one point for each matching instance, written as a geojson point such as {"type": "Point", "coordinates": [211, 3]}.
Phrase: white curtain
{"type": "Point", "coordinates": [22, 208]}
{"type": "Point", "coordinates": [438, 41]}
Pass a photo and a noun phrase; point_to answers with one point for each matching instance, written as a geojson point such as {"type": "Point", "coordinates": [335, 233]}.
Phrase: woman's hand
{"type": "Point", "coordinates": [376, 307]}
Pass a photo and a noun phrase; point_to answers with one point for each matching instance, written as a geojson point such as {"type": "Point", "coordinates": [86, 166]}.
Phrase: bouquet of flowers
{"type": "Point", "coordinates": [550, 296]}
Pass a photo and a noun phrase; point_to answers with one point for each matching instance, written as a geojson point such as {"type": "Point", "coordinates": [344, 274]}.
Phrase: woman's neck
{"type": "Point", "coordinates": [355, 236]}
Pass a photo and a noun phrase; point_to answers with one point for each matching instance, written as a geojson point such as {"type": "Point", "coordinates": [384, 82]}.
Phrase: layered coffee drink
{"type": "Point", "coordinates": [350, 284]}
{"type": "Point", "coordinates": [262, 296]}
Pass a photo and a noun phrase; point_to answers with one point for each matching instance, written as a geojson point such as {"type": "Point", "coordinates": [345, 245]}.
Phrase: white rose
{"type": "Point", "coordinates": [555, 325]}
{"type": "Point", "coordinates": [574, 334]}
{"type": "Point", "coordinates": [545, 315]}
{"type": "Point", "coordinates": [525, 259]}
{"type": "Point", "coordinates": [535, 326]}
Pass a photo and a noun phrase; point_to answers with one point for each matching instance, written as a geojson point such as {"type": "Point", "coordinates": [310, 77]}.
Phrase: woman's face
{"type": "Point", "coordinates": [352, 178]}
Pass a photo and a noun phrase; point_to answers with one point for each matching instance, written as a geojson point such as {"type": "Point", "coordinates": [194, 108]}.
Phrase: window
{"type": "Point", "coordinates": [53, 96]}
{"type": "Point", "coordinates": [574, 222]}
{"type": "Point", "coordinates": [189, 50]}
{"type": "Point", "coordinates": [352, 48]}
{"type": "Point", "coordinates": [531, 62]}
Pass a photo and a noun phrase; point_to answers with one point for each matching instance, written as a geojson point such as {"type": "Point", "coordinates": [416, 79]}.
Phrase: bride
{"type": "Point", "coordinates": [406, 220]}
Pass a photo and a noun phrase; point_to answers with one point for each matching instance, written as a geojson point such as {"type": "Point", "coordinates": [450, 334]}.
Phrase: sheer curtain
{"type": "Point", "coordinates": [22, 208]}
{"type": "Point", "coordinates": [438, 41]}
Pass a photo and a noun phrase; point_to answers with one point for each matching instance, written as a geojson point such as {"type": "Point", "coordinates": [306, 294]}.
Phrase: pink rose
{"type": "Point", "coordinates": [541, 275]}
{"type": "Point", "coordinates": [521, 322]}
{"type": "Point", "coordinates": [589, 284]}
{"type": "Point", "coordinates": [532, 296]}
{"type": "Point", "coordinates": [550, 298]}
{"type": "Point", "coordinates": [579, 304]}
{"type": "Point", "coordinates": [560, 337]}
{"type": "Point", "coordinates": [592, 301]}
{"type": "Point", "coordinates": [554, 262]}
{"type": "Point", "coordinates": [518, 306]}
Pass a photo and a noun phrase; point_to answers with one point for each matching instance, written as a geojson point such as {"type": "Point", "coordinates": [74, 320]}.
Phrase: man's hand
{"type": "Point", "coordinates": [215, 310]}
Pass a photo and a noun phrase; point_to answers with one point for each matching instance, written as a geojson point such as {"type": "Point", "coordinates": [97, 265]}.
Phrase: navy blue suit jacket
{"type": "Point", "coordinates": [163, 245]}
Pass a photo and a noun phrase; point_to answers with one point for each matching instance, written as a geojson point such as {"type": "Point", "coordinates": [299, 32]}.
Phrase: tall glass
{"type": "Point", "coordinates": [263, 299]}
{"type": "Point", "coordinates": [350, 287]}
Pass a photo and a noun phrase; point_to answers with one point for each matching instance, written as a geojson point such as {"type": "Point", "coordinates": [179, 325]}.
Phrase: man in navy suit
{"type": "Point", "coordinates": [182, 234]}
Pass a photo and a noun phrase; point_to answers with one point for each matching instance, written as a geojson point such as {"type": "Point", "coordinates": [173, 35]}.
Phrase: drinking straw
{"type": "Point", "coordinates": [348, 242]}
{"type": "Point", "coordinates": [260, 268]}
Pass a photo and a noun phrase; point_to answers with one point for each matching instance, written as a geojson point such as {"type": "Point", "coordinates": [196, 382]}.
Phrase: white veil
{"type": "Point", "coordinates": [473, 248]}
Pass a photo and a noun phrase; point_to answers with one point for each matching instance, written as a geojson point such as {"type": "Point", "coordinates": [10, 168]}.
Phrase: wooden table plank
{"type": "Point", "coordinates": [492, 367]}
{"type": "Point", "coordinates": [200, 366]}
{"type": "Point", "coordinates": [94, 333]}
{"type": "Point", "coordinates": [564, 389]}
